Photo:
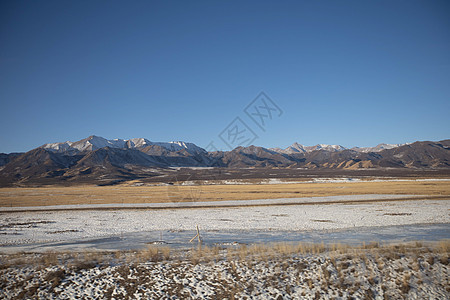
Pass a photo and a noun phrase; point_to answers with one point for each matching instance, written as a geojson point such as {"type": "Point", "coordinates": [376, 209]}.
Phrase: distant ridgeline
{"type": "Point", "coordinates": [94, 158]}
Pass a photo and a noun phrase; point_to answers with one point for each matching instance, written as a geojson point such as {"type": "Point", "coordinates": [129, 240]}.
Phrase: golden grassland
{"type": "Point", "coordinates": [126, 193]}
{"type": "Point", "coordinates": [203, 253]}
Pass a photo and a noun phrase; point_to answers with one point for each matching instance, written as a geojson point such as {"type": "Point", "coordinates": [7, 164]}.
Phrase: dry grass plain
{"type": "Point", "coordinates": [90, 194]}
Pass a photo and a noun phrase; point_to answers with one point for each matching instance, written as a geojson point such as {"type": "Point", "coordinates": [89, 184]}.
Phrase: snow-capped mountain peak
{"type": "Point", "coordinates": [296, 147]}
{"type": "Point", "coordinates": [326, 147]}
{"type": "Point", "coordinates": [138, 142]}
{"type": "Point", "coordinates": [378, 148]}
{"type": "Point", "coordinates": [58, 146]}
{"type": "Point", "coordinates": [94, 142]}
{"type": "Point", "coordinates": [180, 145]}
{"type": "Point", "coordinates": [299, 148]}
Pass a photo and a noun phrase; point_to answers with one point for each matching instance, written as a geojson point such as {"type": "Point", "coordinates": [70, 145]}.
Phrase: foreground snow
{"type": "Point", "coordinates": [395, 272]}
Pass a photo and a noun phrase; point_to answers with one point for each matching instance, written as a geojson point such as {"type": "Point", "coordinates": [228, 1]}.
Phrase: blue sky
{"type": "Point", "coordinates": [342, 72]}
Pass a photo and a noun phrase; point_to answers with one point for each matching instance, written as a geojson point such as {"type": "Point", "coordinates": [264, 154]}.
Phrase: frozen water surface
{"type": "Point", "coordinates": [133, 228]}
{"type": "Point", "coordinates": [139, 240]}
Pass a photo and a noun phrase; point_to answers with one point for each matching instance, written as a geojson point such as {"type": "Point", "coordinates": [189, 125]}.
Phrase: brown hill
{"type": "Point", "coordinates": [109, 165]}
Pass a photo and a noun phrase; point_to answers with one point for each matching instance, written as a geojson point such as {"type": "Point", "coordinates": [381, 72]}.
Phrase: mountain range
{"type": "Point", "coordinates": [96, 159]}
{"type": "Point", "coordinates": [299, 148]}
{"type": "Point", "coordinates": [96, 142]}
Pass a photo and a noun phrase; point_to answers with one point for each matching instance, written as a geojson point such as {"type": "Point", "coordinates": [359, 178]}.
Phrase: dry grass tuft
{"type": "Point", "coordinates": [405, 285]}
{"type": "Point", "coordinates": [152, 253]}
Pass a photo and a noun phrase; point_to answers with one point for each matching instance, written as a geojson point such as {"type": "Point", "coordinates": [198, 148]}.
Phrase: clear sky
{"type": "Point", "coordinates": [342, 72]}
